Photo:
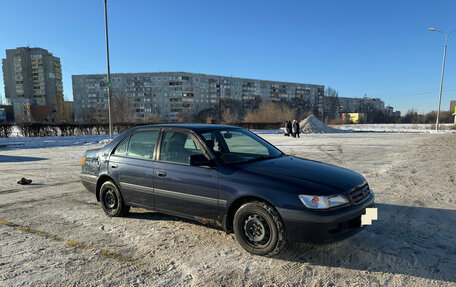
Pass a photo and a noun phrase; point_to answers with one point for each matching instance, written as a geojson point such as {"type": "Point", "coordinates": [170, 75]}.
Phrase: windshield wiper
{"type": "Point", "coordinates": [263, 157]}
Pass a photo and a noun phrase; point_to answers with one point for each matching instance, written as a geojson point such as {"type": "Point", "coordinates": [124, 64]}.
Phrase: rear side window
{"type": "Point", "coordinates": [122, 148]}
{"type": "Point", "coordinates": [142, 144]}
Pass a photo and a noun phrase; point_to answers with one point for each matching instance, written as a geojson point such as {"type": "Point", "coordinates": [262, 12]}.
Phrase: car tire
{"type": "Point", "coordinates": [259, 228]}
{"type": "Point", "coordinates": [111, 200]}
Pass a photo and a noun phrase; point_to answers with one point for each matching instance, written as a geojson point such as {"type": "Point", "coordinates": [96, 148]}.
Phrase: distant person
{"type": "Point", "coordinates": [295, 128]}
{"type": "Point", "coordinates": [293, 131]}
{"type": "Point", "coordinates": [285, 133]}
{"type": "Point", "coordinates": [288, 128]}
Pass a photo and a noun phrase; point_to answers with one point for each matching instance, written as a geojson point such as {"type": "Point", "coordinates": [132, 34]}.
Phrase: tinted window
{"type": "Point", "coordinates": [238, 142]}
{"type": "Point", "coordinates": [178, 147]}
{"type": "Point", "coordinates": [212, 141]}
{"type": "Point", "coordinates": [238, 145]}
{"type": "Point", "coordinates": [142, 144]}
{"type": "Point", "coordinates": [122, 148]}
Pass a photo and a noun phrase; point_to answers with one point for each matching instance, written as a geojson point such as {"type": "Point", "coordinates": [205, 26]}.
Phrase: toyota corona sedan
{"type": "Point", "coordinates": [228, 177]}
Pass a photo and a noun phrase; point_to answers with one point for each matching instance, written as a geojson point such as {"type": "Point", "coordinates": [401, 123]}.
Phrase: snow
{"type": "Point", "coordinates": [63, 238]}
{"type": "Point", "coordinates": [309, 125]}
{"type": "Point", "coordinates": [398, 128]}
{"type": "Point", "coordinates": [312, 125]}
{"type": "Point", "coordinates": [49, 142]}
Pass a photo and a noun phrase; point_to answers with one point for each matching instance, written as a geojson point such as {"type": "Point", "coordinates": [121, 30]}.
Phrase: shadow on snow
{"type": "Point", "coordinates": [414, 241]}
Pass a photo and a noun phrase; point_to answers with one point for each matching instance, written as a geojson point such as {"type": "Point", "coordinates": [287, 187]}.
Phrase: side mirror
{"type": "Point", "coordinates": [199, 160]}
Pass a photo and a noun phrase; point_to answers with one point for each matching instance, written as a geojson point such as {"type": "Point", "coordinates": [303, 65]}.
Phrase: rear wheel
{"type": "Point", "coordinates": [259, 229]}
{"type": "Point", "coordinates": [112, 201]}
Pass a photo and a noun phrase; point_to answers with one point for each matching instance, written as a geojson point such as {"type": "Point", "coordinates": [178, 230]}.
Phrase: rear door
{"type": "Point", "coordinates": [132, 165]}
{"type": "Point", "coordinates": [180, 188]}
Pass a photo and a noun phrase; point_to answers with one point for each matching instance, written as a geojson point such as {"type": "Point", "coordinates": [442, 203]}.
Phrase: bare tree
{"type": "Point", "coordinates": [184, 116]}
{"type": "Point", "coordinates": [270, 112]}
{"type": "Point", "coordinates": [152, 118]}
{"type": "Point", "coordinates": [98, 114]}
{"type": "Point", "coordinates": [210, 120]}
{"type": "Point", "coordinates": [331, 103]}
{"type": "Point", "coordinates": [122, 109]}
{"type": "Point", "coordinates": [229, 117]}
{"type": "Point", "coordinates": [234, 106]}
{"type": "Point", "coordinates": [64, 110]}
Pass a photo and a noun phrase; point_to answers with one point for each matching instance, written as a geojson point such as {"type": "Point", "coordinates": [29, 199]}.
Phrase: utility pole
{"type": "Point", "coordinates": [443, 71]}
{"type": "Point", "coordinates": [220, 100]}
{"type": "Point", "coordinates": [108, 82]}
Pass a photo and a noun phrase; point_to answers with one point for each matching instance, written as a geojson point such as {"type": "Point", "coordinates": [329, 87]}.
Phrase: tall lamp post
{"type": "Point", "coordinates": [443, 71]}
{"type": "Point", "coordinates": [108, 82]}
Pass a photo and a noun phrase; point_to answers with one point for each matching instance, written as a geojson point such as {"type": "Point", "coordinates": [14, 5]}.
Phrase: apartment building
{"type": "Point", "coordinates": [32, 77]}
{"type": "Point", "coordinates": [360, 105]}
{"type": "Point", "coordinates": [169, 94]}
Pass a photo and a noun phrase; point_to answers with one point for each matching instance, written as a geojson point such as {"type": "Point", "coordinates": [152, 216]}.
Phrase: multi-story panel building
{"type": "Point", "coordinates": [360, 105]}
{"type": "Point", "coordinates": [453, 106]}
{"type": "Point", "coordinates": [169, 94]}
{"type": "Point", "coordinates": [32, 77]}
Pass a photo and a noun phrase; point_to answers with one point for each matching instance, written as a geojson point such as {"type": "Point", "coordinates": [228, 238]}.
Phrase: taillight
{"type": "Point", "coordinates": [83, 160]}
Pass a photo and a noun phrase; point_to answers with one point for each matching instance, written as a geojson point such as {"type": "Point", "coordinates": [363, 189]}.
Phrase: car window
{"type": "Point", "coordinates": [142, 144]}
{"type": "Point", "coordinates": [238, 145]}
{"type": "Point", "coordinates": [212, 141]}
{"type": "Point", "coordinates": [177, 147]}
{"type": "Point", "coordinates": [121, 149]}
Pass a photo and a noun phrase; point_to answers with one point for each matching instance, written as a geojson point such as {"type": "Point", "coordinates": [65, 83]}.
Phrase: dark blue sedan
{"type": "Point", "coordinates": [228, 177]}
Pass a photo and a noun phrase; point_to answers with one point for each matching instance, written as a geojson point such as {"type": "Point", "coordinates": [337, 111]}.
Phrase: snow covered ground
{"type": "Point", "coordinates": [48, 142]}
{"type": "Point", "coordinates": [397, 128]}
{"type": "Point", "coordinates": [54, 233]}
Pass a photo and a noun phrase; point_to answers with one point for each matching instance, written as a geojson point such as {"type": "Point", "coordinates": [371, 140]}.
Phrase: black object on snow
{"type": "Point", "coordinates": [24, 181]}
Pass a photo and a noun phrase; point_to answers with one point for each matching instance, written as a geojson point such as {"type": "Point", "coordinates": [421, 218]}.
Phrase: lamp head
{"type": "Point", "coordinates": [431, 29]}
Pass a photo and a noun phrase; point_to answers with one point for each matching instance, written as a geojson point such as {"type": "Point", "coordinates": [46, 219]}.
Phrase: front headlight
{"type": "Point", "coordinates": [322, 202]}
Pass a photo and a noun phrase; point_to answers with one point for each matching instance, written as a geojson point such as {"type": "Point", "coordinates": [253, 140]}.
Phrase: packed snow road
{"type": "Point", "coordinates": [54, 233]}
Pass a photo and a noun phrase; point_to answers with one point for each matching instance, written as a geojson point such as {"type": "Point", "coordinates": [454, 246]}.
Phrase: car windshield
{"type": "Point", "coordinates": [234, 146]}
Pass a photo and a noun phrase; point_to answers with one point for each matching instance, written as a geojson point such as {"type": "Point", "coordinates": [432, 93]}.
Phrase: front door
{"type": "Point", "coordinates": [180, 188]}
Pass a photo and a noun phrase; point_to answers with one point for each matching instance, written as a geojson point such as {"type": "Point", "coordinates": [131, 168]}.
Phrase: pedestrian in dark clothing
{"type": "Point", "coordinates": [288, 127]}
{"type": "Point", "coordinates": [295, 128]}
{"type": "Point", "coordinates": [285, 132]}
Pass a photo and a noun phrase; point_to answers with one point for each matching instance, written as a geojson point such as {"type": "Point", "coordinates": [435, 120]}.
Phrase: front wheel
{"type": "Point", "coordinates": [112, 201]}
{"type": "Point", "coordinates": [259, 228]}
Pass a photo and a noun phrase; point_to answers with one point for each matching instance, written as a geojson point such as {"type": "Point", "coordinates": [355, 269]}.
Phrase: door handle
{"type": "Point", "coordinates": [113, 165]}
{"type": "Point", "coordinates": [161, 173]}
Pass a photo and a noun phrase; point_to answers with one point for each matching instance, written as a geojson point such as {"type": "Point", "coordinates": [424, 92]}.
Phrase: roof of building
{"type": "Point", "coordinates": [190, 74]}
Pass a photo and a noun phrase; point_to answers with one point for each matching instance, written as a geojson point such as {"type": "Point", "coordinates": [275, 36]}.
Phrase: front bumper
{"type": "Point", "coordinates": [324, 226]}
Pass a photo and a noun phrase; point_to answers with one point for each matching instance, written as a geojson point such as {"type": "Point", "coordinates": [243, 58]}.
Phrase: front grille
{"type": "Point", "coordinates": [360, 194]}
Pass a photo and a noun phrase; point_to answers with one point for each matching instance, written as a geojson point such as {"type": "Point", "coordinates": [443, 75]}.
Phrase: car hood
{"type": "Point", "coordinates": [296, 169]}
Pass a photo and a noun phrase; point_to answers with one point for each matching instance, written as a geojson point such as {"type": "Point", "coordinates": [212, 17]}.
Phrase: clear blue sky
{"type": "Point", "coordinates": [379, 48]}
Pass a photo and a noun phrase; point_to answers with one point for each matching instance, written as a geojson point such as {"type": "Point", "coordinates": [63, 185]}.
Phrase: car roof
{"type": "Point", "coordinates": [194, 127]}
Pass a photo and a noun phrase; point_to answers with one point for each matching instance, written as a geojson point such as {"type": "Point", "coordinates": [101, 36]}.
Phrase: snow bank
{"type": "Point", "coordinates": [47, 142]}
{"type": "Point", "coordinates": [280, 131]}
{"type": "Point", "coordinates": [313, 125]}
{"type": "Point", "coordinates": [398, 128]}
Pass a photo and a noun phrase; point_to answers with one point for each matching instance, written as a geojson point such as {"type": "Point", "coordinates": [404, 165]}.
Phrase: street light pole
{"type": "Point", "coordinates": [443, 71]}
{"type": "Point", "coordinates": [108, 82]}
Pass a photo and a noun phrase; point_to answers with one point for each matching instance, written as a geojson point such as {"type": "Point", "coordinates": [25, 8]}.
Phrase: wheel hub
{"type": "Point", "coordinates": [110, 199]}
{"type": "Point", "coordinates": [256, 229]}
